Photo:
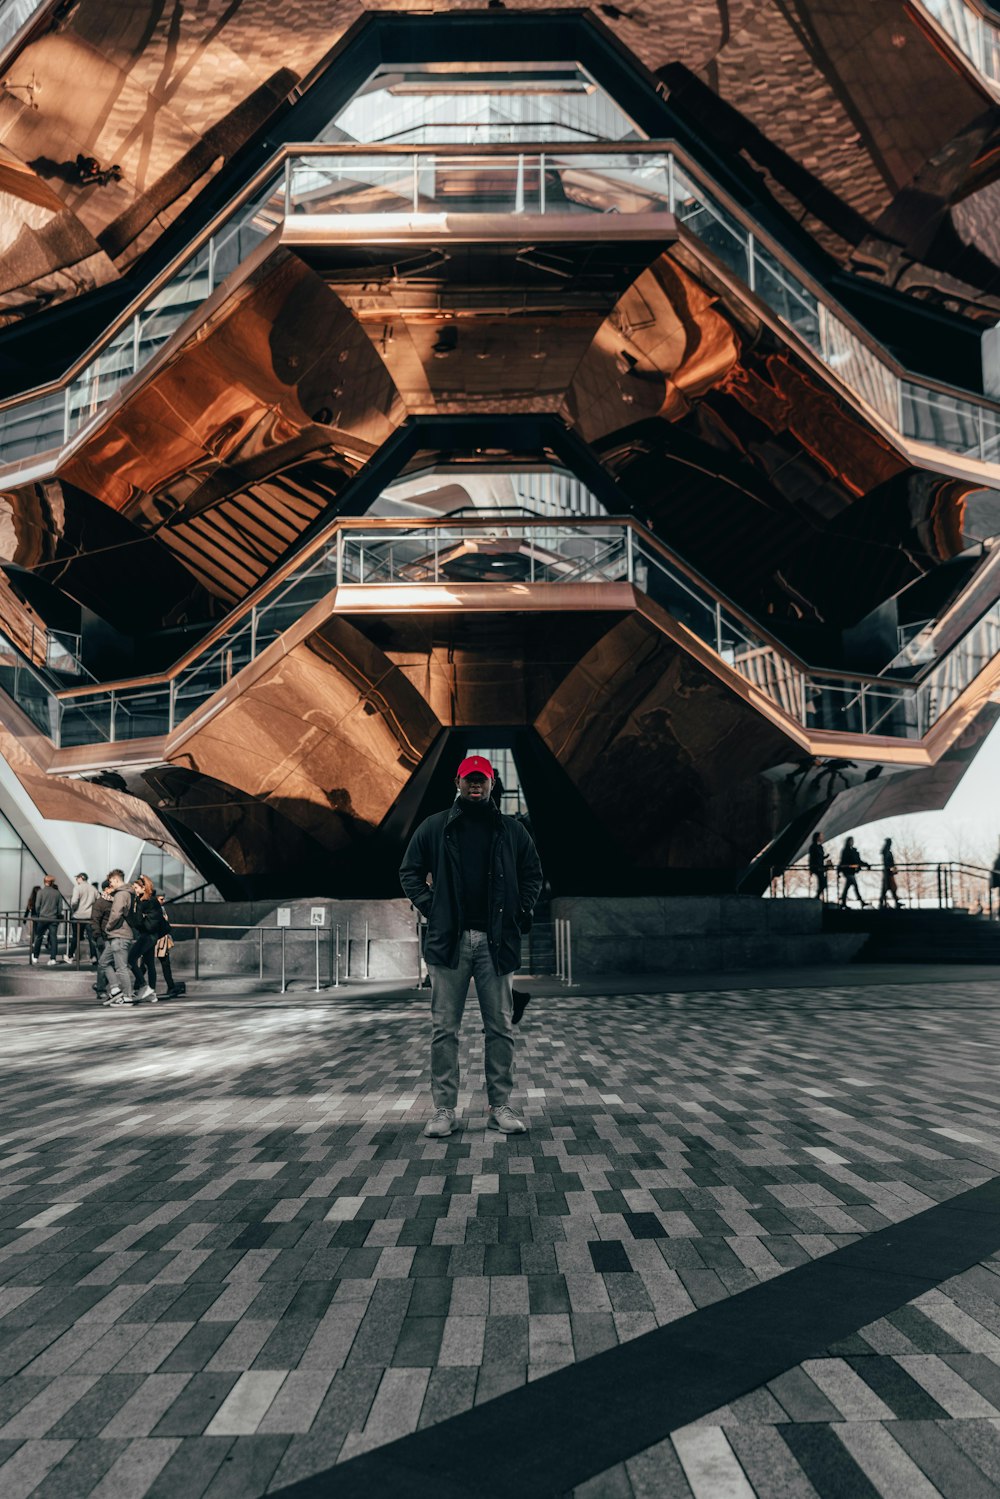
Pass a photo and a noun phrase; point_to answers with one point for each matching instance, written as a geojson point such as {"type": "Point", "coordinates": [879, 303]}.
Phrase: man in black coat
{"type": "Point", "coordinates": [484, 881]}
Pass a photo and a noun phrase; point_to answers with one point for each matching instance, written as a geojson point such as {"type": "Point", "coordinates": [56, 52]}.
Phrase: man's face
{"type": "Point", "coordinates": [115, 882]}
{"type": "Point", "coordinates": [474, 787]}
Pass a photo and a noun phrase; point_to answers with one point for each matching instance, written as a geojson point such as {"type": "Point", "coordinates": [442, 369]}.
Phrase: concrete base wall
{"type": "Point", "coordinates": [376, 939]}
{"type": "Point", "coordinates": [649, 934]}
{"type": "Point", "coordinates": [646, 934]}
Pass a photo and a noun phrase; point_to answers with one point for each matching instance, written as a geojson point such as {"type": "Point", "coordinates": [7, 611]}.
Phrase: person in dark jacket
{"type": "Point", "coordinates": [147, 922]}
{"type": "Point", "coordinates": [113, 961]}
{"type": "Point", "coordinates": [99, 913]}
{"type": "Point", "coordinates": [819, 863]}
{"type": "Point", "coordinates": [484, 881]}
{"type": "Point", "coordinates": [48, 909]}
{"type": "Point", "coordinates": [888, 877]}
{"type": "Point", "coordinates": [848, 866]}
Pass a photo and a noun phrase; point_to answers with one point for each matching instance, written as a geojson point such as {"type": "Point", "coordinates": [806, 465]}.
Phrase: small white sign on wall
{"type": "Point", "coordinates": [317, 916]}
{"type": "Point", "coordinates": [284, 916]}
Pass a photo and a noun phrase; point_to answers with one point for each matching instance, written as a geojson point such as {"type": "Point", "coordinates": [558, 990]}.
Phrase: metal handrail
{"type": "Point", "coordinates": [944, 874]}
{"type": "Point", "coordinates": [281, 161]}
{"type": "Point", "coordinates": [759, 658]}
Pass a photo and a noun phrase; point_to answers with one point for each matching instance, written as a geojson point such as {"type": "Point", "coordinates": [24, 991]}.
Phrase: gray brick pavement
{"type": "Point", "coordinates": [229, 1259]}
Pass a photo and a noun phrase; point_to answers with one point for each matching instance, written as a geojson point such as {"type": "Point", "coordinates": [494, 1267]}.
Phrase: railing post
{"type": "Point", "coordinates": [288, 187]}
{"type": "Point", "coordinates": [111, 716]}
{"type": "Point", "coordinates": [336, 959]}
{"type": "Point", "coordinates": [569, 954]}
{"type": "Point", "coordinates": [172, 705]}
{"type": "Point", "coordinates": [316, 930]}
{"type": "Point", "coordinates": [718, 628]}
{"type": "Point", "coordinates": [66, 407]}
{"type": "Point", "coordinates": [340, 558]}
{"type": "Point", "coordinates": [629, 555]}
{"type": "Point", "coordinates": [260, 953]}
{"type": "Point", "coordinates": [671, 184]}
{"type": "Point", "coordinates": [197, 952]}
{"type": "Point", "coordinates": [416, 183]}
{"type": "Point", "coordinates": [284, 986]}
{"type": "Point", "coordinates": [367, 951]}
{"type": "Point", "coordinates": [541, 182]}
{"type": "Point", "coordinates": [751, 269]}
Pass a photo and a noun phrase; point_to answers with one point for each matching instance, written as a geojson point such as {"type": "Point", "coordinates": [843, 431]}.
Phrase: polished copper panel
{"type": "Point", "coordinates": [279, 382]}
{"type": "Point", "coordinates": [820, 102]}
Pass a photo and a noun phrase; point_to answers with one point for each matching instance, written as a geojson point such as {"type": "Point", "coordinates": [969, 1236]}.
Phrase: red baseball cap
{"type": "Point", "coordinates": [473, 764]}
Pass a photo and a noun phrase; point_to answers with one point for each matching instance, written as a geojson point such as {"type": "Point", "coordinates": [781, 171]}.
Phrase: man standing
{"type": "Point", "coordinates": [81, 906]}
{"type": "Point", "coordinates": [485, 879]}
{"type": "Point", "coordinates": [48, 905]}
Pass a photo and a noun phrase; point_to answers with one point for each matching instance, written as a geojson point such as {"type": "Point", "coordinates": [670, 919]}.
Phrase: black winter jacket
{"type": "Point", "coordinates": [515, 883]}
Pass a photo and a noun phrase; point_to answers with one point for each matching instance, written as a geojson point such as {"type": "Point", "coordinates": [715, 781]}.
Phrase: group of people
{"type": "Point", "coordinates": [126, 927]}
{"type": "Point", "coordinates": [849, 866]}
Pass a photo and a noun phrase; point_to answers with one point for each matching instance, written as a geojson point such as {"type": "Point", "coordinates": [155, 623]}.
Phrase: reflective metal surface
{"type": "Point", "coordinates": [820, 105]}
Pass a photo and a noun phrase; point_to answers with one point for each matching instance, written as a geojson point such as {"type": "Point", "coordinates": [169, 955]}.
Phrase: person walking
{"type": "Point", "coordinates": [485, 878]}
{"type": "Point", "coordinates": [48, 907]}
{"type": "Point", "coordinates": [164, 943]}
{"type": "Point", "coordinates": [98, 921]}
{"type": "Point", "coordinates": [888, 877]}
{"type": "Point", "coordinates": [118, 934]}
{"type": "Point", "coordinates": [81, 906]}
{"type": "Point", "coordinates": [848, 866]}
{"type": "Point", "coordinates": [819, 863]}
{"type": "Point", "coordinates": [29, 914]}
{"type": "Point", "coordinates": [147, 922]}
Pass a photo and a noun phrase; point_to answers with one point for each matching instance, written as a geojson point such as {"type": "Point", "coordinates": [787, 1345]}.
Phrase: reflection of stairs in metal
{"type": "Point", "coordinates": [232, 545]}
{"type": "Point", "coordinates": [920, 936]}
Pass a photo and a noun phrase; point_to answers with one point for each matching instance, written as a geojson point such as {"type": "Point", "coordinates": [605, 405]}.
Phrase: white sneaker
{"type": "Point", "coordinates": [441, 1123]}
{"type": "Point", "coordinates": [33, 958]}
{"type": "Point", "coordinates": [52, 963]}
{"type": "Point", "coordinates": [146, 993]}
{"type": "Point", "coordinates": [504, 1119]}
{"type": "Point", "coordinates": [67, 958]}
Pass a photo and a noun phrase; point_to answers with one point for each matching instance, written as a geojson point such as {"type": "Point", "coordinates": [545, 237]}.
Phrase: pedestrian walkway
{"type": "Point", "coordinates": [750, 1246]}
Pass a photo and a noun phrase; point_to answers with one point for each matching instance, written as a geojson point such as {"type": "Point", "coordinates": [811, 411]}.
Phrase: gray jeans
{"type": "Point", "coordinates": [449, 989]}
{"type": "Point", "coordinates": [112, 966]}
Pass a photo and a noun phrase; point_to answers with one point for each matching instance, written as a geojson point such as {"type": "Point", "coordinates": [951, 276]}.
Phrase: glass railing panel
{"type": "Point", "coordinates": [990, 427]}
{"type": "Point", "coordinates": [714, 225]}
{"type": "Point", "coordinates": [275, 616]}
{"type": "Point", "coordinates": [33, 427]}
{"type": "Point", "coordinates": [944, 421]}
{"type": "Point", "coordinates": [86, 720]}
{"type": "Point", "coordinates": [858, 367]}
{"type": "Point", "coordinates": [227, 659]}
{"type": "Point", "coordinates": [793, 303]}
{"type": "Point", "coordinates": [601, 184]}
{"type": "Point", "coordinates": [102, 378]}
{"type": "Point", "coordinates": [360, 184]}
{"type": "Point", "coordinates": [142, 713]}
{"type": "Point", "coordinates": [696, 611]}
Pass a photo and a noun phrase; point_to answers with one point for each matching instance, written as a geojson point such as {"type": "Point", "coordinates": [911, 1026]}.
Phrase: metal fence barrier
{"type": "Point", "coordinates": [329, 956]}
{"type": "Point", "coordinates": [948, 884]}
{"type": "Point", "coordinates": [564, 949]}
